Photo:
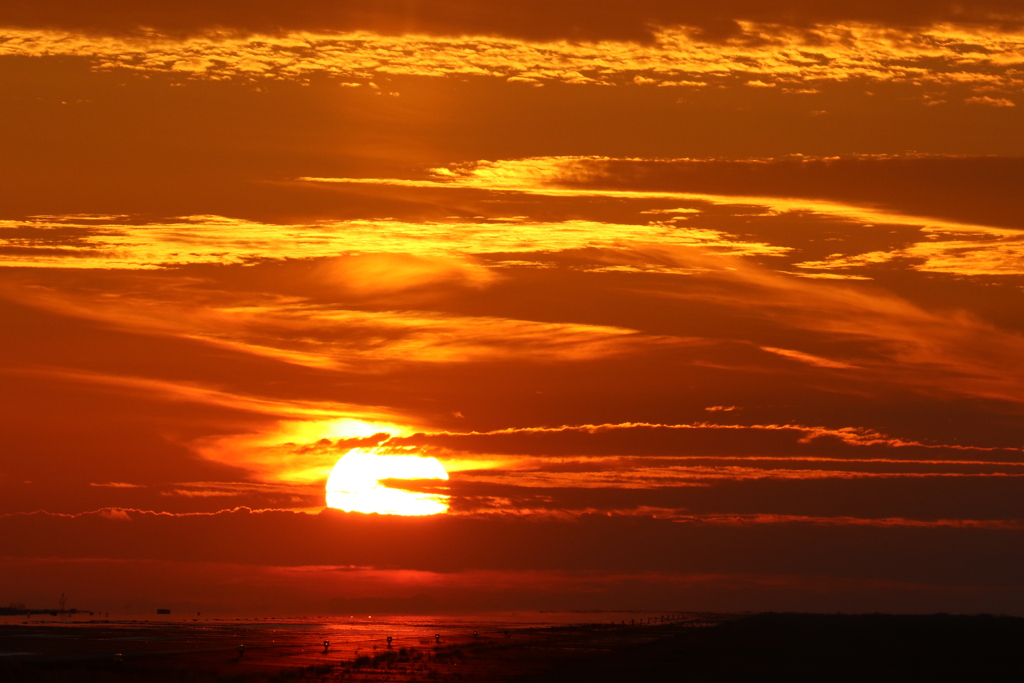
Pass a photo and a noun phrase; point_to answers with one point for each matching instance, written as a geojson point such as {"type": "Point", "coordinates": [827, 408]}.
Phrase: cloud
{"type": "Point", "coordinates": [808, 358]}
{"type": "Point", "coordinates": [946, 192]}
{"type": "Point", "coordinates": [892, 492]}
{"type": "Point", "coordinates": [624, 456]}
{"type": "Point", "coordinates": [956, 354]}
{"type": "Point", "coordinates": [387, 274]}
{"type": "Point", "coordinates": [210, 497]}
{"type": "Point", "coordinates": [997, 253]}
{"type": "Point", "coordinates": [646, 474]}
{"type": "Point", "coordinates": [947, 57]}
{"type": "Point", "coordinates": [646, 180]}
{"type": "Point", "coordinates": [386, 257]}
{"type": "Point", "coordinates": [991, 101]}
{"type": "Point", "coordinates": [417, 253]}
{"type": "Point", "coordinates": [916, 553]}
{"type": "Point", "coordinates": [952, 352]}
{"type": "Point", "coordinates": [114, 514]}
{"type": "Point", "coordinates": [934, 192]}
{"type": "Point", "coordinates": [331, 337]}
{"type": "Point", "coordinates": [940, 197]}
{"type": "Point", "coordinates": [750, 440]}
{"type": "Point", "coordinates": [530, 19]}
{"type": "Point", "coordinates": [350, 418]}
{"type": "Point", "coordinates": [222, 589]}
{"type": "Point", "coordinates": [119, 485]}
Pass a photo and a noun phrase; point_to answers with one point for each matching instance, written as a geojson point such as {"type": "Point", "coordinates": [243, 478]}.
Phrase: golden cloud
{"type": "Point", "coordinates": [761, 55]}
{"type": "Point", "coordinates": [49, 243]}
{"type": "Point", "coordinates": [946, 246]}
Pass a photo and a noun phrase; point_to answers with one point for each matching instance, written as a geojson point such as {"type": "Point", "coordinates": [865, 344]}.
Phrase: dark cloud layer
{"type": "Point", "coordinates": [593, 543]}
{"type": "Point", "coordinates": [533, 19]}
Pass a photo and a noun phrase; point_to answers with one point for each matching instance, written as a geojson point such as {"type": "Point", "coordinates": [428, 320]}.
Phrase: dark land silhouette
{"type": "Point", "coordinates": [705, 648]}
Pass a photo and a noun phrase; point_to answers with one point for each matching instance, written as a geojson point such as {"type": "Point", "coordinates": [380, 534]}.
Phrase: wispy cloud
{"type": "Point", "coordinates": [808, 358]}
{"type": "Point", "coordinates": [852, 436]}
{"type": "Point", "coordinates": [676, 515]}
{"type": "Point", "coordinates": [197, 392]}
{"type": "Point", "coordinates": [327, 336]}
{"type": "Point", "coordinates": [956, 353]}
{"type": "Point", "coordinates": [118, 485]}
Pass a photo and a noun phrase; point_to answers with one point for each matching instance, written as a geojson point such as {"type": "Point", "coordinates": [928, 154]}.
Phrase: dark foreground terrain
{"type": "Point", "coordinates": [699, 648]}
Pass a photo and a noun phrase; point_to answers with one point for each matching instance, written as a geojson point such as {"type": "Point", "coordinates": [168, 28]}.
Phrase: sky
{"type": "Point", "coordinates": [700, 306]}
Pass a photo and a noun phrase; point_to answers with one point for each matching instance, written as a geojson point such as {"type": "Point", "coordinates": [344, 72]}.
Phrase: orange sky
{"type": "Point", "coordinates": [701, 307]}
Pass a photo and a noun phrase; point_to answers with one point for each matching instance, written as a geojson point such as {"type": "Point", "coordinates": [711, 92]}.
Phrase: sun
{"type": "Point", "coordinates": [355, 484]}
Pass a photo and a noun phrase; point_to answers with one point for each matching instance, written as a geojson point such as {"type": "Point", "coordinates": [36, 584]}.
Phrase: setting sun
{"type": "Point", "coordinates": [355, 484]}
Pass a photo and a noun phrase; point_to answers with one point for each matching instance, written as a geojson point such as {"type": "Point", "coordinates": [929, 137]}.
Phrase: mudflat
{"type": "Point", "coordinates": [709, 648]}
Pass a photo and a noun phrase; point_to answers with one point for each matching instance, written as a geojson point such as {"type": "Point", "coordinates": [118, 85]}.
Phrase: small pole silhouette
{"type": "Point", "coordinates": [327, 645]}
{"type": "Point", "coordinates": [389, 641]}
{"type": "Point", "coordinates": [437, 637]}
{"type": "Point", "coordinates": [241, 650]}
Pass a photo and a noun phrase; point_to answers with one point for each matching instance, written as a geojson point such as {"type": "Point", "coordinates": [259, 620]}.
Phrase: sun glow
{"type": "Point", "coordinates": [355, 484]}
